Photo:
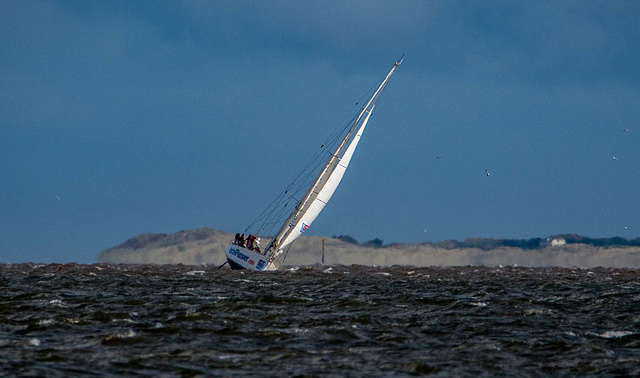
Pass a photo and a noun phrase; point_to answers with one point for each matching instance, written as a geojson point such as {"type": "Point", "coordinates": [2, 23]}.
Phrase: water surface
{"type": "Point", "coordinates": [177, 320]}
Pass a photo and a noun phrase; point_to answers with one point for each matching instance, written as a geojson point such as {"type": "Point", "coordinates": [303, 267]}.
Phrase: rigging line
{"type": "Point", "coordinates": [373, 88]}
{"type": "Point", "coordinates": [274, 218]}
{"type": "Point", "coordinates": [318, 155]}
{"type": "Point", "coordinates": [261, 214]}
{"type": "Point", "coordinates": [277, 215]}
{"type": "Point", "coordinates": [274, 215]}
{"type": "Point", "coordinates": [280, 216]}
{"type": "Point", "coordinates": [380, 94]}
{"type": "Point", "coordinates": [308, 177]}
{"type": "Point", "coordinates": [311, 173]}
{"type": "Point", "coordinates": [293, 198]}
{"type": "Point", "coordinates": [316, 159]}
{"type": "Point", "coordinates": [347, 125]}
{"type": "Point", "coordinates": [286, 253]}
{"type": "Point", "coordinates": [355, 120]}
{"type": "Point", "coordinates": [337, 130]}
{"type": "Point", "coordinates": [329, 151]}
{"type": "Point", "coordinates": [306, 168]}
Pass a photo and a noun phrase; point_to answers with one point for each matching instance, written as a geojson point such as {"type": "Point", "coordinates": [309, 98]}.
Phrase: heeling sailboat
{"type": "Point", "coordinates": [317, 194]}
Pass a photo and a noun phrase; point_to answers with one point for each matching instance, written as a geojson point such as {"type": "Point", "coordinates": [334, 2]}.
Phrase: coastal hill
{"type": "Point", "coordinates": [206, 246]}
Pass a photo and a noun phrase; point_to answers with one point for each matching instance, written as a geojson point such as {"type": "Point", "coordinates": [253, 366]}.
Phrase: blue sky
{"type": "Point", "coordinates": [124, 117]}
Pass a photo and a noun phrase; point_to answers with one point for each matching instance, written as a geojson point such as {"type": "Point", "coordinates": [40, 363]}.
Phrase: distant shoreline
{"type": "Point", "coordinates": [206, 246]}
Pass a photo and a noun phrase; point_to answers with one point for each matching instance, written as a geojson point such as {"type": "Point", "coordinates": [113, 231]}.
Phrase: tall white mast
{"type": "Point", "coordinates": [327, 181]}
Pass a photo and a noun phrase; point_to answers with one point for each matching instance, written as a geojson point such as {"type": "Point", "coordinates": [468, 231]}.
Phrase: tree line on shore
{"type": "Point", "coordinates": [492, 243]}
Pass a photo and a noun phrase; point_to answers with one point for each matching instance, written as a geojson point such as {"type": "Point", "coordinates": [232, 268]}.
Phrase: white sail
{"type": "Point", "coordinates": [324, 186]}
{"type": "Point", "coordinates": [303, 222]}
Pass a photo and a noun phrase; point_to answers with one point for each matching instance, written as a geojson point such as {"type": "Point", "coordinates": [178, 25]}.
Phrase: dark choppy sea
{"type": "Point", "coordinates": [112, 320]}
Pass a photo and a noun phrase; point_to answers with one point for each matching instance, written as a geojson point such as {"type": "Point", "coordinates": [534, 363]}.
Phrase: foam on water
{"type": "Point", "coordinates": [615, 334]}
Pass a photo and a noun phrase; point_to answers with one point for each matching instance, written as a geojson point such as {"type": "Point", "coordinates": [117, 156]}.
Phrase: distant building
{"type": "Point", "coordinates": [553, 242]}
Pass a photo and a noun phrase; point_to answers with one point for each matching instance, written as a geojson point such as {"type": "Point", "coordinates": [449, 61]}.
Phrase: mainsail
{"type": "Point", "coordinates": [325, 184]}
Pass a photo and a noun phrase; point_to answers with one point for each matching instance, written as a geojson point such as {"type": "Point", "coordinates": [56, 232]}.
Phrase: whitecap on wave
{"type": "Point", "coordinates": [194, 272]}
{"type": "Point", "coordinates": [615, 334]}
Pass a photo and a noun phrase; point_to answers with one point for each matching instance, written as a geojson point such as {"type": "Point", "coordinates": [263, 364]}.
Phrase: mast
{"type": "Point", "coordinates": [327, 181]}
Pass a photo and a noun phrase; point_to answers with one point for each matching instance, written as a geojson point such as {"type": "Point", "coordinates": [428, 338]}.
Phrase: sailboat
{"type": "Point", "coordinates": [329, 167]}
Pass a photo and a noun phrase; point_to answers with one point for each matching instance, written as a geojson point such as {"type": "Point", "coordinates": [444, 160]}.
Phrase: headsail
{"type": "Point", "coordinates": [320, 192]}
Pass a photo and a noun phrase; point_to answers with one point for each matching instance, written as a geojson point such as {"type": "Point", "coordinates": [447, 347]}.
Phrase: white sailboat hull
{"type": "Point", "coordinates": [242, 258]}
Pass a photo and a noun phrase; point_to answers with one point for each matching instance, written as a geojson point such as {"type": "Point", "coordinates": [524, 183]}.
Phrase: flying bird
{"type": "Point", "coordinates": [626, 130]}
{"type": "Point", "coordinates": [613, 157]}
{"type": "Point", "coordinates": [486, 172]}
